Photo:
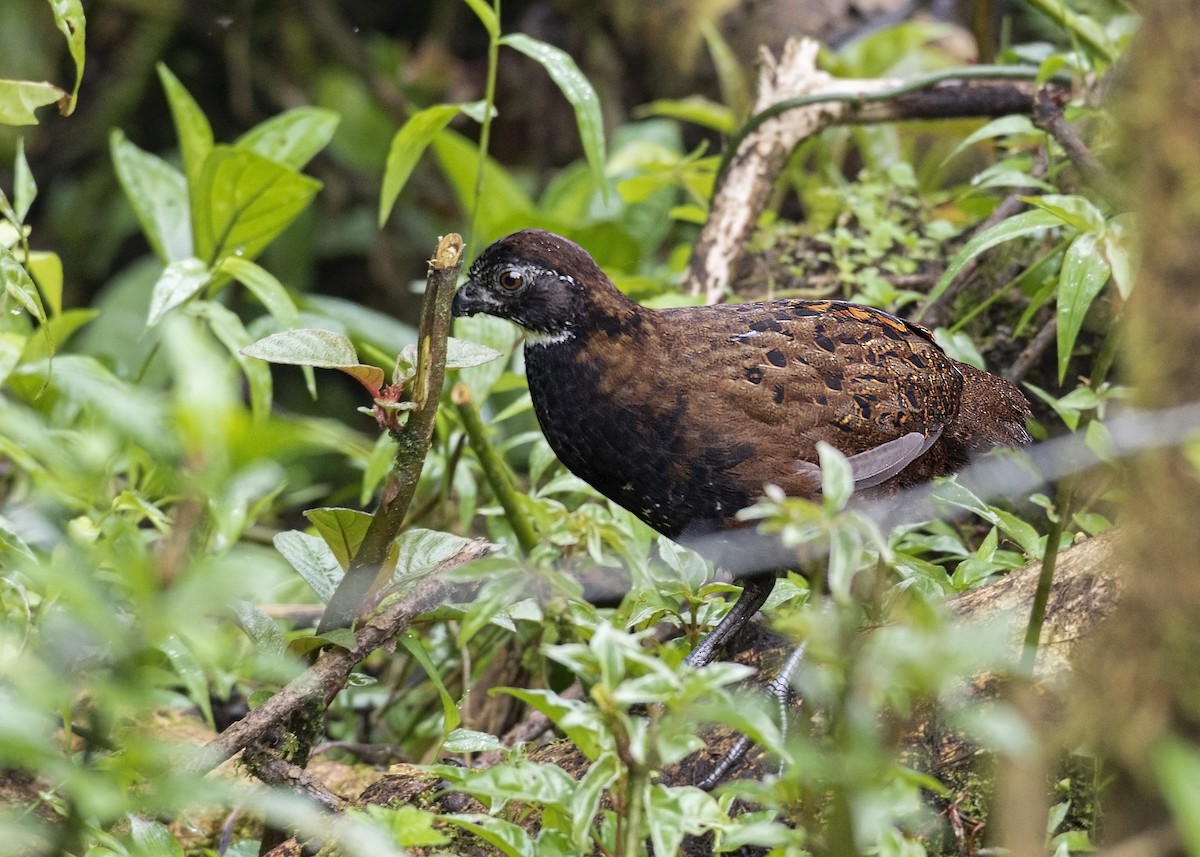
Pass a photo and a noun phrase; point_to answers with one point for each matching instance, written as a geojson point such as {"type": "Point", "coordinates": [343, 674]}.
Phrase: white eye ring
{"type": "Point", "coordinates": [511, 280]}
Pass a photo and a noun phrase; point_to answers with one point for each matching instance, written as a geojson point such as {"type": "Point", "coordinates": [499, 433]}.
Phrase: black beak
{"type": "Point", "coordinates": [470, 299]}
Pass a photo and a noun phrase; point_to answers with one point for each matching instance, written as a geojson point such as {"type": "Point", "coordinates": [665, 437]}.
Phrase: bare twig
{"type": "Point", "coordinates": [334, 664]}
{"type": "Point", "coordinates": [412, 440]}
{"type": "Point", "coordinates": [1033, 352]}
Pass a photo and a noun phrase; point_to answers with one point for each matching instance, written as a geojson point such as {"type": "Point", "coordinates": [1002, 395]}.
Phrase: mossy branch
{"type": "Point", "coordinates": [412, 440]}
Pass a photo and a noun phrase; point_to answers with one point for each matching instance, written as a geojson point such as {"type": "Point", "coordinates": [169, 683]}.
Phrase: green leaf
{"type": "Point", "coordinates": [1118, 247]}
{"type": "Point", "coordinates": [293, 137]}
{"type": "Point", "coordinates": [242, 200]}
{"type": "Point", "coordinates": [1075, 211]}
{"type": "Point", "coordinates": [580, 722]}
{"type": "Point", "coordinates": [312, 559]}
{"type": "Point", "coordinates": [1084, 273]}
{"type": "Point", "coordinates": [20, 98]}
{"type": "Point", "coordinates": [342, 530]}
{"type": "Point", "coordinates": [191, 673]}
{"type": "Point", "coordinates": [487, 17]}
{"type": "Point", "coordinates": [260, 628]}
{"type": "Point", "coordinates": [24, 187]}
{"type": "Point", "coordinates": [1005, 126]}
{"type": "Point", "coordinates": [585, 802]}
{"type": "Point", "coordinates": [504, 207]}
{"type": "Point", "coordinates": [151, 839]}
{"type": "Point", "coordinates": [1177, 767]}
{"type": "Point", "coordinates": [695, 109]}
{"type": "Point", "coordinates": [191, 126]}
{"type": "Point", "coordinates": [463, 354]}
{"type": "Point", "coordinates": [19, 286]}
{"type": "Point", "coordinates": [228, 328]}
{"type": "Point", "coordinates": [1017, 226]}
{"type": "Point", "coordinates": [578, 91]}
{"type": "Point", "coordinates": [470, 741]}
{"type": "Point", "coordinates": [322, 349]}
{"type": "Point", "coordinates": [414, 647]}
{"type": "Point", "coordinates": [264, 286]}
{"type": "Point", "coordinates": [509, 839]}
{"type": "Point", "coordinates": [68, 17]}
{"type": "Point", "coordinates": [158, 194]}
{"type": "Point", "coordinates": [837, 479]}
{"type": "Point", "coordinates": [406, 149]}
{"type": "Point", "coordinates": [179, 282]}
{"type": "Point", "coordinates": [47, 270]}
{"type": "Point", "coordinates": [419, 551]}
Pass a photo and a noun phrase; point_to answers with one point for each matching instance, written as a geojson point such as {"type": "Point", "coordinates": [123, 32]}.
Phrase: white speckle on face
{"type": "Point", "coordinates": [742, 337]}
{"type": "Point", "coordinates": [567, 278]}
{"type": "Point", "coordinates": [541, 340]}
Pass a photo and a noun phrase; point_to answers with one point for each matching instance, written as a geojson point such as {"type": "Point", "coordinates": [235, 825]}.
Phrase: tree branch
{"type": "Point", "coordinates": [412, 440]}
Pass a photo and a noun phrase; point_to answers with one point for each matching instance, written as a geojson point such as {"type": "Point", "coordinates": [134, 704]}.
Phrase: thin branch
{"type": "Point", "coordinates": [334, 664]}
{"type": "Point", "coordinates": [1048, 115]}
{"type": "Point", "coordinates": [412, 440]}
{"type": "Point", "coordinates": [274, 771]}
{"type": "Point", "coordinates": [1033, 352]}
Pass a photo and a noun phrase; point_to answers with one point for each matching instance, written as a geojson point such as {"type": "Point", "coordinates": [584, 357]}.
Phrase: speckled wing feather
{"type": "Point", "coordinates": [792, 373]}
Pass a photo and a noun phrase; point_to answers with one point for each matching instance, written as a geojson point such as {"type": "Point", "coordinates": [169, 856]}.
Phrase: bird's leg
{"type": "Point", "coordinates": [755, 591]}
{"type": "Point", "coordinates": [779, 687]}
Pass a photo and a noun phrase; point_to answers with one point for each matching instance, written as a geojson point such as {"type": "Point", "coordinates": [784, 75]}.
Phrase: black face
{"type": "Point", "coordinates": [532, 278]}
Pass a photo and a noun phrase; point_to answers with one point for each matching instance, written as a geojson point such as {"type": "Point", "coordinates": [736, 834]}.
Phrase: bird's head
{"type": "Point", "coordinates": [541, 281]}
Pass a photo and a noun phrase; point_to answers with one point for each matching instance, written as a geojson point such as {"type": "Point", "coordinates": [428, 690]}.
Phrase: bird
{"type": "Point", "coordinates": [683, 415]}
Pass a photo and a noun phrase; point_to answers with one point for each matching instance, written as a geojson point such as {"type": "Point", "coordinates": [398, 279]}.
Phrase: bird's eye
{"type": "Point", "coordinates": [511, 280]}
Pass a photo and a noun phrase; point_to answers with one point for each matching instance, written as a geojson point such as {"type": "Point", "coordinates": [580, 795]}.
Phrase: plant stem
{"type": "Point", "coordinates": [494, 468]}
{"type": "Point", "coordinates": [1037, 614]}
{"type": "Point", "coordinates": [412, 440]}
{"type": "Point", "coordinates": [485, 131]}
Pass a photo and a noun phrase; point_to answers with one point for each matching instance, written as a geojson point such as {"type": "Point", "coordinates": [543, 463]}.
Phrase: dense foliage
{"type": "Point", "coordinates": [172, 506]}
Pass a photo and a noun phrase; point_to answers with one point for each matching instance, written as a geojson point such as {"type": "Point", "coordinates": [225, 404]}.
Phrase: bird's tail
{"type": "Point", "coordinates": [992, 412]}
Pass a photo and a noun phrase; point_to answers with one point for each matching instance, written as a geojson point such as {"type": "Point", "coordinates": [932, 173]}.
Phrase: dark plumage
{"type": "Point", "coordinates": [683, 415]}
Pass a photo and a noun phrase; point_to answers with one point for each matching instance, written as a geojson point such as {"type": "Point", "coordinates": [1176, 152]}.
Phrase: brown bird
{"type": "Point", "coordinates": [683, 415]}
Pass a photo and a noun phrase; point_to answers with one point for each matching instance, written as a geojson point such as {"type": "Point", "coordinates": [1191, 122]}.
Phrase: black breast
{"type": "Point", "coordinates": [631, 452]}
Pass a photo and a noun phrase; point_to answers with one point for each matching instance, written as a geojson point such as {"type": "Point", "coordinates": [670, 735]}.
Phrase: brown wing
{"type": "Point", "coordinates": [790, 373]}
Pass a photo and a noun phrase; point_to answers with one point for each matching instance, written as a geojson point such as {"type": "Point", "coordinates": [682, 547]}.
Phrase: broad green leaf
{"type": "Point", "coordinates": [578, 91]}
{"type": "Point", "coordinates": [1018, 226]}
{"type": "Point", "coordinates": [20, 98]}
{"type": "Point", "coordinates": [1177, 768]}
{"type": "Point", "coordinates": [228, 328]}
{"type": "Point", "coordinates": [191, 126]}
{"type": "Point", "coordinates": [505, 204]}
{"type": "Point", "coordinates": [509, 839]}
{"type": "Point", "coordinates": [487, 16]}
{"type": "Point", "coordinates": [243, 200]}
{"type": "Point", "coordinates": [695, 109]}
{"type": "Point", "coordinates": [837, 479]}
{"type": "Point", "coordinates": [24, 187]}
{"type": "Point", "coordinates": [1084, 273]}
{"type": "Point", "coordinates": [265, 286]}
{"type": "Point", "coordinates": [580, 722]}
{"type": "Point", "coordinates": [312, 559]}
{"type": "Point", "coordinates": [322, 349]}
{"type": "Point", "coordinates": [414, 647]}
{"type": "Point", "coordinates": [1118, 249]}
{"type": "Point", "coordinates": [342, 530]}
{"type": "Point", "coordinates": [68, 17]}
{"type": "Point", "coordinates": [419, 551]}
{"type": "Point", "coordinates": [19, 286]}
{"type": "Point", "coordinates": [493, 333]}
{"type": "Point", "coordinates": [47, 270]}
{"type": "Point", "coordinates": [1075, 211]}
{"type": "Point", "coordinates": [469, 741]}
{"type": "Point", "coordinates": [180, 281]}
{"type": "Point", "coordinates": [293, 137]}
{"type": "Point", "coordinates": [585, 802]}
{"type": "Point", "coordinates": [1005, 126]}
{"type": "Point", "coordinates": [260, 627]}
{"type": "Point", "coordinates": [191, 673]}
{"type": "Point", "coordinates": [11, 346]}
{"type": "Point", "coordinates": [150, 838]}
{"type": "Point", "coordinates": [57, 329]}
{"type": "Point", "coordinates": [408, 145]}
{"type": "Point", "coordinates": [158, 194]}
{"type": "Point", "coordinates": [464, 354]}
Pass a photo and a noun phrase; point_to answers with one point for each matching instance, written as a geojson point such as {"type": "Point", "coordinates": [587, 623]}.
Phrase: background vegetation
{"type": "Point", "coordinates": [173, 510]}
